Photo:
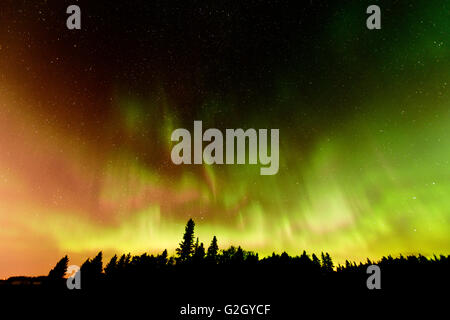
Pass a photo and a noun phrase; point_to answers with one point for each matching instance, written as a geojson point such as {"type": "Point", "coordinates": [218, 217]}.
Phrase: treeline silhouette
{"type": "Point", "coordinates": [236, 264]}
{"type": "Point", "coordinates": [202, 275]}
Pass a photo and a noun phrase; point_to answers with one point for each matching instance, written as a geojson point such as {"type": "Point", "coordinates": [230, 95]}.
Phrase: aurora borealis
{"type": "Point", "coordinates": [86, 118]}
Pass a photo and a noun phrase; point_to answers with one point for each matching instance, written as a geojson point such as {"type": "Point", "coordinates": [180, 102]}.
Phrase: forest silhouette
{"type": "Point", "coordinates": [211, 274]}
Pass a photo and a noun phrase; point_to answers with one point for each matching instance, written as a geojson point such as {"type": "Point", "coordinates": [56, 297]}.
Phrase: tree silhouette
{"type": "Point", "coordinates": [327, 262]}
{"type": "Point", "coordinates": [91, 271]}
{"type": "Point", "coordinates": [161, 259]}
{"type": "Point", "coordinates": [238, 256]}
{"type": "Point", "coordinates": [196, 245]}
{"type": "Point", "coordinates": [186, 249]}
{"type": "Point", "coordinates": [124, 261]}
{"type": "Point", "coordinates": [315, 261]}
{"type": "Point", "coordinates": [97, 264]}
{"type": "Point", "coordinates": [213, 250]}
{"type": "Point", "coordinates": [111, 267]}
{"type": "Point", "coordinates": [199, 253]}
{"type": "Point", "coordinates": [56, 275]}
{"type": "Point", "coordinates": [60, 269]}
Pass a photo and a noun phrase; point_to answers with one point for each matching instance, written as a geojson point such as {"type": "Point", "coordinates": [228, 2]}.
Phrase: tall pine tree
{"type": "Point", "coordinates": [186, 249]}
{"type": "Point", "coordinates": [213, 250]}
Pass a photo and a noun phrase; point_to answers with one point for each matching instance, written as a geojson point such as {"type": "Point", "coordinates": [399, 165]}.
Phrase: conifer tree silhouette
{"type": "Point", "coordinates": [111, 267]}
{"type": "Point", "coordinates": [199, 253]}
{"type": "Point", "coordinates": [91, 271]}
{"type": "Point", "coordinates": [97, 264]}
{"type": "Point", "coordinates": [186, 249]}
{"type": "Point", "coordinates": [315, 261]}
{"type": "Point", "coordinates": [327, 262]}
{"type": "Point", "coordinates": [121, 263]}
{"type": "Point", "coordinates": [161, 259]}
{"type": "Point", "coordinates": [213, 250]}
{"type": "Point", "coordinates": [196, 245]}
{"type": "Point", "coordinates": [304, 258]}
{"type": "Point", "coordinates": [238, 256]}
{"type": "Point", "coordinates": [59, 270]}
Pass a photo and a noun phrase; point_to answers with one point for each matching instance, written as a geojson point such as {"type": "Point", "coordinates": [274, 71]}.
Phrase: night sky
{"type": "Point", "coordinates": [86, 117]}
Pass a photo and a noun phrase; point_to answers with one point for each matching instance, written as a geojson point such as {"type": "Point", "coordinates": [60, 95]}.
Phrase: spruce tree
{"type": "Point", "coordinates": [213, 250]}
{"type": "Point", "coordinates": [199, 253]}
{"type": "Point", "coordinates": [186, 249]}
{"type": "Point", "coordinates": [59, 270]}
{"type": "Point", "coordinates": [327, 262]}
{"type": "Point", "coordinates": [111, 267]}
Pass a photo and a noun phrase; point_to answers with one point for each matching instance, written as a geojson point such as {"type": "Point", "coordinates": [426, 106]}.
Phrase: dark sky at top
{"type": "Point", "coordinates": [250, 54]}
